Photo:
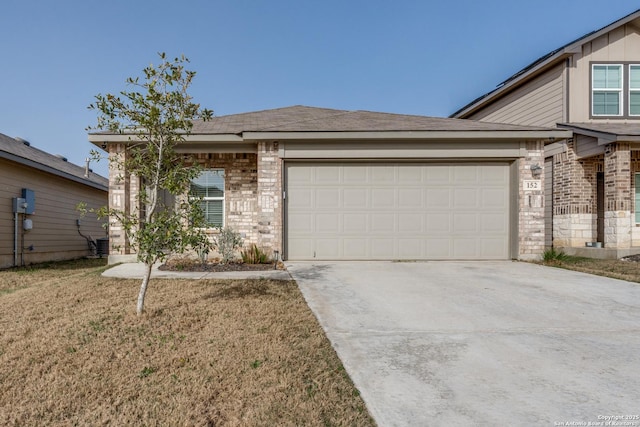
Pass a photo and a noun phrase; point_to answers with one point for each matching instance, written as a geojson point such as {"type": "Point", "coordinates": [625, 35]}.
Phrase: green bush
{"type": "Point", "coordinates": [552, 255]}
{"type": "Point", "coordinates": [227, 243]}
{"type": "Point", "coordinates": [254, 255]}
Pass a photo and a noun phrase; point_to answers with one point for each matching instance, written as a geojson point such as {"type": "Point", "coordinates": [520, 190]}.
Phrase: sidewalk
{"type": "Point", "coordinates": [136, 271]}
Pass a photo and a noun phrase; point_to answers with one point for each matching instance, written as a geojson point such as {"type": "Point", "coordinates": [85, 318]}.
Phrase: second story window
{"type": "Point", "coordinates": [634, 90]}
{"type": "Point", "coordinates": [607, 90]}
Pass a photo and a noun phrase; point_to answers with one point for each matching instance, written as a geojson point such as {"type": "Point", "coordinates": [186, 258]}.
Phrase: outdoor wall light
{"type": "Point", "coordinates": [536, 171]}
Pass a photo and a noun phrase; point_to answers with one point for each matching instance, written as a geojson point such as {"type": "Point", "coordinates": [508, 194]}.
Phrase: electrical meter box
{"type": "Point", "coordinates": [30, 198]}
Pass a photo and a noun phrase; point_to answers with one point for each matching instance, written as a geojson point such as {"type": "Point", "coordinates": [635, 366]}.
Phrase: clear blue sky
{"type": "Point", "coordinates": [402, 56]}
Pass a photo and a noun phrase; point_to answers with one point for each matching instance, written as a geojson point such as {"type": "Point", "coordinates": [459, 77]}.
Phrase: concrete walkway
{"type": "Point", "coordinates": [481, 343]}
{"type": "Point", "coordinates": [136, 271]}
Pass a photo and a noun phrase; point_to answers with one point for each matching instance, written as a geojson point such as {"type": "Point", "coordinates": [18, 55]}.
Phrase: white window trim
{"type": "Point", "coordinates": [620, 91]}
{"type": "Point", "coordinates": [224, 193]}
{"type": "Point", "coordinates": [632, 90]}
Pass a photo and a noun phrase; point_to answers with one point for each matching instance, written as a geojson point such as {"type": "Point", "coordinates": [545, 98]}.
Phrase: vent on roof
{"type": "Point", "coordinates": [24, 141]}
{"type": "Point", "coordinates": [61, 157]}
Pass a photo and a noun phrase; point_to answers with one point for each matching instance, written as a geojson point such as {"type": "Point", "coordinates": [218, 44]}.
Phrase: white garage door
{"type": "Point", "coordinates": [373, 211]}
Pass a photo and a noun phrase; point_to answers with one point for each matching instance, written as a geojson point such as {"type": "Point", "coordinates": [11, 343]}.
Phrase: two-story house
{"type": "Point", "coordinates": [591, 87]}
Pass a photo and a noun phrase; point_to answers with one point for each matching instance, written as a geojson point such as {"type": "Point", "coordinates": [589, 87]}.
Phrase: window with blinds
{"type": "Point", "coordinates": [209, 188]}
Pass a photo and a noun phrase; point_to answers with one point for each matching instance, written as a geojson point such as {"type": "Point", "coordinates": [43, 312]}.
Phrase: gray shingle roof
{"type": "Point", "coordinates": [17, 151]}
{"type": "Point", "coordinates": [614, 129]}
{"type": "Point", "coordinates": [311, 119]}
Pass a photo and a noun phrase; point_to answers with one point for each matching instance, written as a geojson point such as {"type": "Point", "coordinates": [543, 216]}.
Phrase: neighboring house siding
{"type": "Point", "coordinates": [536, 103]}
{"type": "Point", "coordinates": [54, 235]}
{"type": "Point", "coordinates": [619, 45]}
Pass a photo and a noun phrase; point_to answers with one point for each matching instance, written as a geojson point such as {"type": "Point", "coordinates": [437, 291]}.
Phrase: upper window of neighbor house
{"type": "Point", "coordinates": [606, 89]}
{"type": "Point", "coordinates": [209, 186]}
{"type": "Point", "coordinates": [634, 90]}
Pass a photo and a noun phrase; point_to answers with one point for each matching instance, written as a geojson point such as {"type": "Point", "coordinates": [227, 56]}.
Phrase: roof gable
{"type": "Point", "coordinates": [542, 64]}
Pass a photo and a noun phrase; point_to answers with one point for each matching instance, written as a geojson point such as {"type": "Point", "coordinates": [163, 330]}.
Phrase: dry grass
{"type": "Point", "coordinates": [72, 352]}
{"type": "Point", "coordinates": [617, 269]}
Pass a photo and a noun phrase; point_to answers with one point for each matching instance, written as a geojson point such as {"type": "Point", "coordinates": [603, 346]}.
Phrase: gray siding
{"type": "Point", "coordinates": [537, 103]}
{"type": "Point", "coordinates": [54, 235]}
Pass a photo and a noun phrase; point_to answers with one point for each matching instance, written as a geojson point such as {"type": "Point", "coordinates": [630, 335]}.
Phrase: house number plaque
{"type": "Point", "coordinates": [532, 185]}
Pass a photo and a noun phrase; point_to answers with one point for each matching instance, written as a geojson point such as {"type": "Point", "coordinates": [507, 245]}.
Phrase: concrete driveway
{"type": "Point", "coordinates": [481, 343]}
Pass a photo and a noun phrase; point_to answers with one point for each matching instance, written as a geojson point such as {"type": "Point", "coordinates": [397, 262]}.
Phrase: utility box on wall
{"type": "Point", "coordinates": [30, 197]}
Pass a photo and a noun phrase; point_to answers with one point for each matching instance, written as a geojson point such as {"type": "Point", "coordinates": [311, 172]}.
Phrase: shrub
{"type": "Point", "coordinates": [254, 255]}
{"type": "Point", "coordinates": [227, 242]}
{"type": "Point", "coordinates": [551, 255]}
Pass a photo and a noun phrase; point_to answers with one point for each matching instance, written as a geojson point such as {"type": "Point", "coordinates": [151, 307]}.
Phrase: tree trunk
{"type": "Point", "coordinates": [143, 288]}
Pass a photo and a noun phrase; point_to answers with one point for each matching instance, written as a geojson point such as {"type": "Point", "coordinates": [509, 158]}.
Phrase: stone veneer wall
{"type": "Point", "coordinates": [530, 205]}
{"type": "Point", "coordinates": [574, 198]}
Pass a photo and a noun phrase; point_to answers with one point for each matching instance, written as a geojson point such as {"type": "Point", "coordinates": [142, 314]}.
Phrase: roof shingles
{"type": "Point", "coordinates": [16, 150]}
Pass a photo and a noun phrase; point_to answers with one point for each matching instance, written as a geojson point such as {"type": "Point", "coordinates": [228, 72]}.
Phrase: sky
{"type": "Point", "coordinates": [420, 57]}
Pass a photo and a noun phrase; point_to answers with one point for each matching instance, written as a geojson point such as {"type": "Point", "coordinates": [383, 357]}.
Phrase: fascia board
{"type": "Point", "coordinates": [98, 138]}
{"type": "Point", "coordinates": [408, 135]}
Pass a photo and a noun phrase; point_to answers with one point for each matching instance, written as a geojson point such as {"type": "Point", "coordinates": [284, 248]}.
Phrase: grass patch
{"type": "Point", "coordinates": [73, 352]}
{"type": "Point", "coordinates": [614, 268]}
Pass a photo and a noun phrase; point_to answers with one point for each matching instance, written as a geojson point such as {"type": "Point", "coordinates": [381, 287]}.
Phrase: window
{"type": "Point", "coordinates": [209, 186]}
{"type": "Point", "coordinates": [634, 90]}
{"type": "Point", "coordinates": [606, 90]}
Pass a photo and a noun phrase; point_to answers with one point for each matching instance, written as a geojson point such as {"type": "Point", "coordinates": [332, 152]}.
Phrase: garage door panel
{"type": "Point", "coordinates": [382, 222]}
{"type": "Point", "coordinates": [383, 248]}
{"type": "Point", "coordinates": [356, 175]}
{"type": "Point", "coordinates": [438, 198]}
{"type": "Point", "coordinates": [382, 198]}
{"type": "Point", "coordinates": [496, 198]}
{"type": "Point", "coordinates": [411, 222]}
{"type": "Point", "coordinates": [355, 248]}
{"type": "Point", "coordinates": [410, 175]}
{"type": "Point", "coordinates": [328, 175]}
{"type": "Point", "coordinates": [398, 211]}
{"type": "Point", "coordinates": [465, 223]}
{"type": "Point", "coordinates": [410, 198]}
{"type": "Point", "coordinates": [465, 198]}
{"type": "Point", "coordinates": [383, 175]}
{"type": "Point", "coordinates": [328, 223]}
{"type": "Point", "coordinates": [438, 223]}
{"type": "Point", "coordinates": [301, 224]}
{"type": "Point", "coordinates": [355, 198]}
{"type": "Point", "coordinates": [493, 223]}
{"type": "Point", "coordinates": [355, 223]}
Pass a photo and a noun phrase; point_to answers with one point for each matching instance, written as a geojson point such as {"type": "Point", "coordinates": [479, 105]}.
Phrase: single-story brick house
{"type": "Point", "coordinates": [590, 87]}
{"type": "Point", "coordinates": [325, 184]}
{"type": "Point", "coordinates": [53, 188]}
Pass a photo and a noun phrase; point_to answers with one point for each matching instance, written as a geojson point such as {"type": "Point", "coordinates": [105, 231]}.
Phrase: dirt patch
{"type": "Point", "coordinates": [207, 352]}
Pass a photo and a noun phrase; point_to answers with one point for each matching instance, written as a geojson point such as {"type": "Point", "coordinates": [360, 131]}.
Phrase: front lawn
{"type": "Point", "coordinates": [73, 352]}
{"type": "Point", "coordinates": [615, 268]}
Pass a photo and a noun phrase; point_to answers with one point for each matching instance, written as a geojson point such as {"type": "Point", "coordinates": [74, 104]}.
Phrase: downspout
{"type": "Point", "coordinates": [15, 239]}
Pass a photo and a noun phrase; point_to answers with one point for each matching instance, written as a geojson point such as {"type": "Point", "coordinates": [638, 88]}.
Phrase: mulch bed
{"type": "Point", "coordinates": [215, 267]}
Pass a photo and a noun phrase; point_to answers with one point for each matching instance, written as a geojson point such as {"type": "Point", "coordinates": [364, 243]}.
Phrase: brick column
{"type": "Point", "coordinates": [119, 199]}
{"type": "Point", "coordinates": [617, 194]}
{"type": "Point", "coordinates": [574, 209]}
{"type": "Point", "coordinates": [269, 196]}
{"type": "Point", "coordinates": [530, 205]}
